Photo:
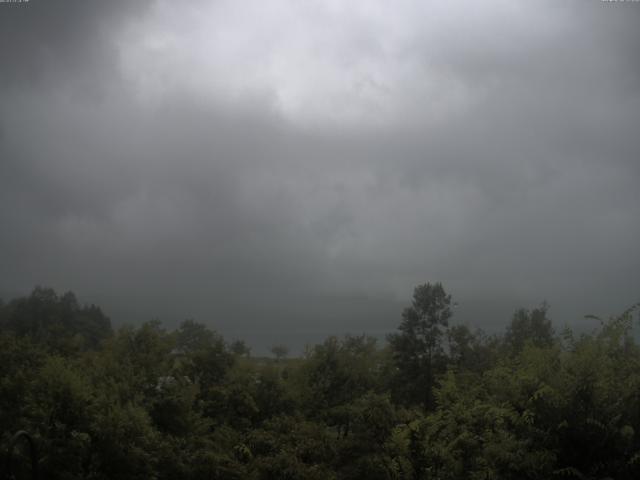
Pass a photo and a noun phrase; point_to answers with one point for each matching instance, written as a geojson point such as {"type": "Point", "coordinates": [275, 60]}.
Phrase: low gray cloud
{"type": "Point", "coordinates": [294, 170]}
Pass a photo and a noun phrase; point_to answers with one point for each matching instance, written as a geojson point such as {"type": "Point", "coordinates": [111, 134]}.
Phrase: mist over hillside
{"type": "Point", "coordinates": [319, 240]}
{"type": "Point", "coordinates": [249, 165]}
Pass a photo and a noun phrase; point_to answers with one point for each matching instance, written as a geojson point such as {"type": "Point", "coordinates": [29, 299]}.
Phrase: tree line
{"type": "Point", "coordinates": [436, 401]}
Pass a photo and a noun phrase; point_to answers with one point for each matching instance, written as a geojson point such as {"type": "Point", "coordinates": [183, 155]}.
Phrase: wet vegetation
{"type": "Point", "coordinates": [436, 401]}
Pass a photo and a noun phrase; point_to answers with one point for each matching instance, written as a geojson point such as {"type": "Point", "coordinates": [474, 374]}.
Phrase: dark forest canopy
{"type": "Point", "coordinates": [437, 401]}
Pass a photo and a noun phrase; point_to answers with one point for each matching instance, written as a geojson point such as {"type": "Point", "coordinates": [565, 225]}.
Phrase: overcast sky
{"type": "Point", "coordinates": [286, 169]}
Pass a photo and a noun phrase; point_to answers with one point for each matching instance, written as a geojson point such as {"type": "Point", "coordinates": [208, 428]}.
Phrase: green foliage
{"type": "Point", "coordinates": [417, 348]}
{"type": "Point", "coordinates": [532, 327]}
{"type": "Point", "coordinates": [471, 351]}
{"type": "Point", "coordinates": [339, 371]}
{"type": "Point", "coordinates": [438, 402]}
{"type": "Point", "coordinates": [58, 322]}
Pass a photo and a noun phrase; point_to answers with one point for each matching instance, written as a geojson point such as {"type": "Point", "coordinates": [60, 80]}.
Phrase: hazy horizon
{"type": "Point", "coordinates": [290, 170]}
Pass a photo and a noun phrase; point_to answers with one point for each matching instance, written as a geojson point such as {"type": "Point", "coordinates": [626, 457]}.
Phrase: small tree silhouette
{"type": "Point", "coordinates": [280, 351]}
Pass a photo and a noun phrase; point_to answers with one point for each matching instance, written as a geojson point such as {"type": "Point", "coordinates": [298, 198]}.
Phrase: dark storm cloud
{"type": "Point", "coordinates": [60, 41]}
{"type": "Point", "coordinates": [300, 168]}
